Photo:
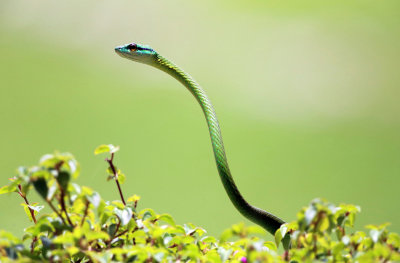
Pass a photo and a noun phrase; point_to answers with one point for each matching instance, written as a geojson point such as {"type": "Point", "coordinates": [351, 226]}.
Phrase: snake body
{"type": "Point", "coordinates": [147, 55]}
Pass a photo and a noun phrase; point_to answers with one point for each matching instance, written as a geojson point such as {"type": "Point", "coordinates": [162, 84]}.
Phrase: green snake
{"type": "Point", "coordinates": [146, 55]}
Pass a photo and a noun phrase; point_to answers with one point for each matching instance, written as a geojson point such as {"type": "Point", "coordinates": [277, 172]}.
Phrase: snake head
{"type": "Point", "coordinates": [137, 52]}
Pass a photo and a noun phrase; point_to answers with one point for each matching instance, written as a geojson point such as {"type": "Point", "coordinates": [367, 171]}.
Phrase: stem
{"type": "Point", "coordinates": [85, 213]}
{"type": "Point", "coordinates": [55, 211]}
{"type": "Point", "coordinates": [32, 214]}
{"type": "Point", "coordinates": [62, 202]}
{"type": "Point", "coordinates": [33, 244]}
{"type": "Point", "coordinates": [120, 234]}
{"type": "Point", "coordinates": [115, 232]}
{"type": "Point", "coordinates": [110, 162]}
{"type": "Point", "coordinates": [27, 202]}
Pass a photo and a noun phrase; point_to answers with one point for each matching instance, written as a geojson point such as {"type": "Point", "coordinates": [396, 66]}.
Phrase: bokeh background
{"type": "Point", "coordinates": [307, 93]}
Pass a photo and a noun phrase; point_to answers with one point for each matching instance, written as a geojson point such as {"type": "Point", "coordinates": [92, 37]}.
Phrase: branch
{"type": "Point", "coordinates": [110, 162]}
{"type": "Point", "coordinates": [86, 212]}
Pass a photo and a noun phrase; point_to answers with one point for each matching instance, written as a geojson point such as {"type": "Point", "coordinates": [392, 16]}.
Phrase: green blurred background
{"type": "Point", "coordinates": [307, 93]}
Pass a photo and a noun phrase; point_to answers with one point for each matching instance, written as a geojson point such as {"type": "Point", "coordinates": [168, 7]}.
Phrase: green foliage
{"type": "Point", "coordinates": [85, 228]}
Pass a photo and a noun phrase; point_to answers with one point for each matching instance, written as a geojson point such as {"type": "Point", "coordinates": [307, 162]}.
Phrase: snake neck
{"type": "Point", "coordinates": [268, 221]}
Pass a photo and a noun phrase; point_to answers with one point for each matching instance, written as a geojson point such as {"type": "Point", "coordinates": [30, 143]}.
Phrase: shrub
{"type": "Point", "coordinates": [85, 228]}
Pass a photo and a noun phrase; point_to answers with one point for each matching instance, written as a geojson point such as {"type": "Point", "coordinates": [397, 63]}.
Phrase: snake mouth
{"type": "Point", "coordinates": [121, 50]}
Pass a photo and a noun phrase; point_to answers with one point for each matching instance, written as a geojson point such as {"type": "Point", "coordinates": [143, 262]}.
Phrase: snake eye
{"type": "Point", "coordinates": [132, 47]}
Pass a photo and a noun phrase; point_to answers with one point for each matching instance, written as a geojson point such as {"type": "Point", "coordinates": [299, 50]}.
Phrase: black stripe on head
{"type": "Point", "coordinates": [144, 48]}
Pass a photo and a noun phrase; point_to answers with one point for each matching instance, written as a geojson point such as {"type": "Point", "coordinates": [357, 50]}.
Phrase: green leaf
{"type": "Point", "coordinates": [133, 199]}
{"type": "Point", "coordinates": [41, 187]}
{"type": "Point", "coordinates": [167, 218]}
{"type": "Point", "coordinates": [310, 213]}
{"type": "Point", "coordinates": [63, 178]}
{"type": "Point", "coordinates": [124, 215]}
{"type": "Point", "coordinates": [94, 199]}
{"type": "Point", "coordinates": [209, 239]}
{"type": "Point", "coordinates": [270, 245]}
{"type": "Point", "coordinates": [28, 211]}
{"type": "Point", "coordinates": [121, 178]}
{"type": "Point", "coordinates": [51, 192]}
{"type": "Point", "coordinates": [227, 234]}
{"type": "Point", "coordinates": [279, 236]}
{"type": "Point", "coordinates": [323, 224]}
{"type": "Point", "coordinates": [8, 189]}
{"type": "Point", "coordinates": [224, 253]}
{"type": "Point", "coordinates": [104, 148]}
{"type": "Point", "coordinates": [93, 235]}
{"type": "Point", "coordinates": [111, 230]}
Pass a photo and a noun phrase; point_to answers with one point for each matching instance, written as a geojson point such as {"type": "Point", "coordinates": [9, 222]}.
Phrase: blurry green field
{"type": "Point", "coordinates": [54, 97]}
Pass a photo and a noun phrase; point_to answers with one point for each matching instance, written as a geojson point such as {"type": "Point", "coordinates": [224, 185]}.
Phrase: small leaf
{"type": "Point", "coordinates": [8, 189]}
{"type": "Point", "coordinates": [111, 230]}
{"type": "Point", "coordinates": [121, 178]}
{"type": "Point", "coordinates": [133, 198]}
{"type": "Point", "coordinates": [106, 148]}
{"type": "Point", "coordinates": [227, 234]}
{"type": "Point", "coordinates": [323, 224]}
{"type": "Point", "coordinates": [310, 213]}
{"type": "Point", "coordinates": [278, 237]}
{"type": "Point", "coordinates": [27, 211]}
{"type": "Point", "coordinates": [270, 245]}
{"type": "Point", "coordinates": [41, 187]}
{"type": "Point", "coordinates": [209, 239]}
{"type": "Point", "coordinates": [374, 233]}
{"type": "Point", "coordinates": [63, 178]}
{"type": "Point", "coordinates": [93, 235]}
{"type": "Point", "coordinates": [51, 192]}
{"type": "Point", "coordinates": [36, 207]}
{"type": "Point", "coordinates": [124, 215]}
{"type": "Point", "coordinates": [94, 199]}
{"type": "Point", "coordinates": [167, 218]}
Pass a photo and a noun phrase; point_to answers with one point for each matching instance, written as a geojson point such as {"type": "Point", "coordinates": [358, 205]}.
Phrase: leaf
{"type": "Point", "coordinates": [209, 239]}
{"type": "Point", "coordinates": [167, 218]}
{"type": "Point", "coordinates": [93, 235]}
{"type": "Point", "coordinates": [63, 178]}
{"type": "Point", "coordinates": [375, 234]}
{"type": "Point", "coordinates": [270, 245]}
{"type": "Point", "coordinates": [28, 211]}
{"type": "Point", "coordinates": [94, 199]}
{"type": "Point", "coordinates": [8, 189]}
{"type": "Point", "coordinates": [278, 237]}
{"type": "Point", "coordinates": [323, 223]}
{"type": "Point", "coordinates": [310, 213]}
{"type": "Point", "coordinates": [121, 178]}
{"type": "Point", "coordinates": [227, 234]}
{"type": "Point", "coordinates": [124, 215]}
{"type": "Point", "coordinates": [133, 199]}
{"type": "Point", "coordinates": [111, 230]}
{"type": "Point", "coordinates": [104, 148]}
{"type": "Point", "coordinates": [224, 253]}
{"type": "Point", "coordinates": [36, 207]}
{"type": "Point", "coordinates": [286, 241]}
{"type": "Point", "coordinates": [41, 187]}
{"type": "Point", "coordinates": [51, 192]}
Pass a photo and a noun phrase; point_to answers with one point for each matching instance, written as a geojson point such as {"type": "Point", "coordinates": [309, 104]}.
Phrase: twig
{"type": "Point", "coordinates": [115, 232]}
{"type": "Point", "coordinates": [85, 213]}
{"type": "Point", "coordinates": [63, 207]}
{"type": "Point", "coordinates": [27, 202]}
{"type": "Point", "coordinates": [110, 162]}
{"type": "Point", "coordinates": [33, 244]}
{"type": "Point", "coordinates": [120, 234]}
{"type": "Point", "coordinates": [55, 211]}
{"type": "Point", "coordinates": [32, 215]}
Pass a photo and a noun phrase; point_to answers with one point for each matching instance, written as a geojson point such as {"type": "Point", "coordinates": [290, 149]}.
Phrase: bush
{"type": "Point", "coordinates": [85, 228]}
